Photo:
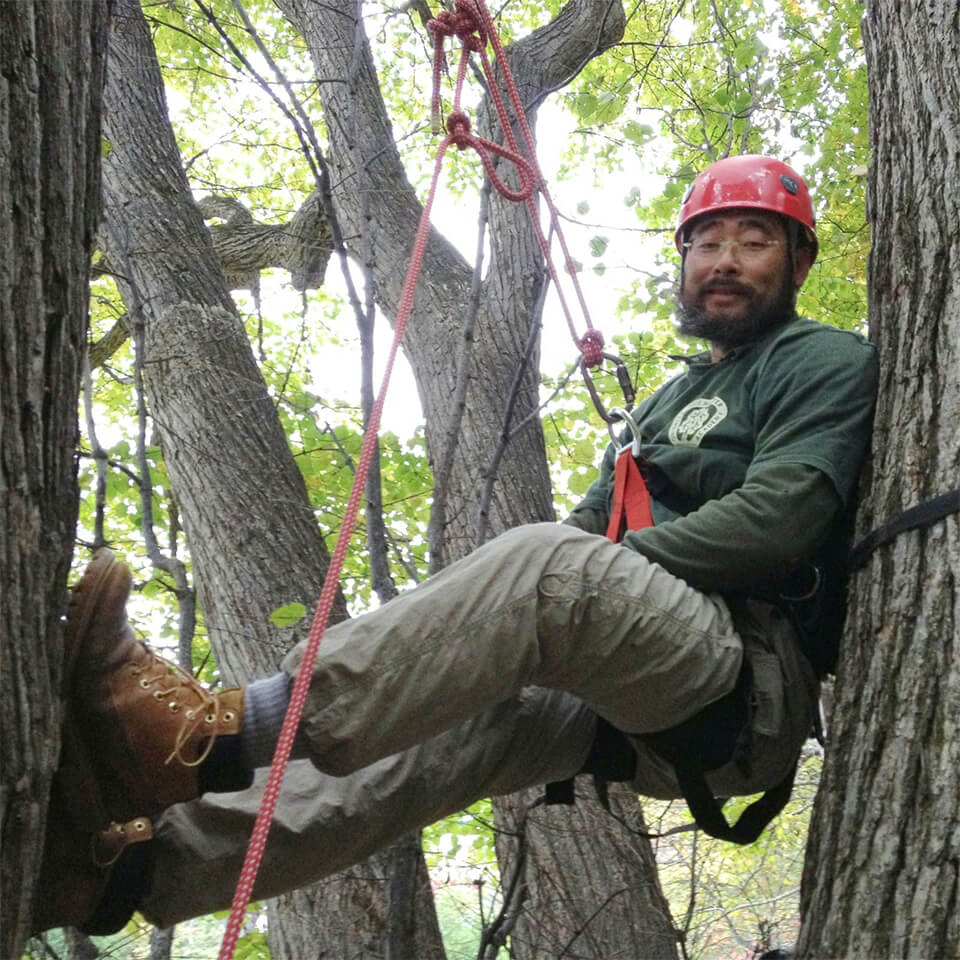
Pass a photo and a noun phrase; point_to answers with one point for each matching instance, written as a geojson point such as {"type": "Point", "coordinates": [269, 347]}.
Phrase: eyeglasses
{"type": "Point", "coordinates": [707, 249]}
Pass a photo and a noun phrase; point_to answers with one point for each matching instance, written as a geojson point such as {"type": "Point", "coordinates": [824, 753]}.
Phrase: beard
{"type": "Point", "coordinates": [762, 313]}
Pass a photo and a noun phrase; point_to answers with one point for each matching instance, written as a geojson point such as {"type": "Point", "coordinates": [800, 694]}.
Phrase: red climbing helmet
{"type": "Point", "coordinates": [749, 181]}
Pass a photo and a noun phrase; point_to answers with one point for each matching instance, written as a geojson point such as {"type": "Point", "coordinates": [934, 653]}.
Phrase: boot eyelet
{"type": "Point", "coordinates": [158, 695]}
{"type": "Point", "coordinates": [190, 714]}
{"type": "Point", "coordinates": [145, 683]}
{"type": "Point", "coordinates": [135, 671]}
{"type": "Point", "coordinates": [139, 826]}
{"type": "Point", "coordinates": [118, 828]}
{"type": "Point", "coordinates": [174, 706]}
{"type": "Point", "coordinates": [227, 716]}
{"type": "Point", "coordinates": [210, 718]}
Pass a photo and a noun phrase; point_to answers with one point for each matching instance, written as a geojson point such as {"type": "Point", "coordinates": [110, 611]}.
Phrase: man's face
{"type": "Point", "coordinates": [738, 277]}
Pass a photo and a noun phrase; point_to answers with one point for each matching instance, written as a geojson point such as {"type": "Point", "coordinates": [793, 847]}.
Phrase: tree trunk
{"type": "Point", "coordinates": [253, 537]}
{"type": "Point", "coordinates": [364, 163]}
{"type": "Point", "coordinates": [881, 877]}
{"type": "Point", "coordinates": [51, 77]}
{"type": "Point", "coordinates": [615, 886]}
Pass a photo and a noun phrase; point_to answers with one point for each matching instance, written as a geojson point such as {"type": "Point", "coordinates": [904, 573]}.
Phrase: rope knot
{"type": "Point", "coordinates": [469, 22]}
{"type": "Point", "coordinates": [442, 25]}
{"type": "Point", "coordinates": [458, 126]}
{"type": "Point", "coordinates": [591, 346]}
{"type": "Point", "coordinates": [462, 23]}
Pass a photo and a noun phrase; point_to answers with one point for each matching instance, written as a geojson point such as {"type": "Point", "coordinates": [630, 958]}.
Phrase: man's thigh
{"type": "Point", "coordinates": [640, 646]}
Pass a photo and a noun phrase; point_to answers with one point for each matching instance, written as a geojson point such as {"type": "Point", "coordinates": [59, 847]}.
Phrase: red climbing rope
{"type": "Point", "coordinates": [472, 24]}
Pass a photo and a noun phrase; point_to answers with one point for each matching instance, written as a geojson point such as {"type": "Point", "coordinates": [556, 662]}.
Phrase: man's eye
{"type": "Point", "coordinates": [754, 246]}
{"type": "Point", "coordinates": [708, 246]}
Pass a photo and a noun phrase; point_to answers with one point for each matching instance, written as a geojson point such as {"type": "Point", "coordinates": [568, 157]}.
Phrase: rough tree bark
{"type": "Point", "coordinates": [574, 916]}
{"type": "Point", "coordinates": [51, 76]}
{"type": "Point", "coordinates": [883, 863]}
{"type": "Point", "coordinates": [252, 534]}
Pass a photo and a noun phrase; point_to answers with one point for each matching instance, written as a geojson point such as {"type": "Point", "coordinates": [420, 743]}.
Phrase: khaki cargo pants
{"type": "Point", "coordinates": [485, 679]}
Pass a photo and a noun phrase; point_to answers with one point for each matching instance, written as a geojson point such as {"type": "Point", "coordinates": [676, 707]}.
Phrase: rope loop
{"type": "Point", "coordinates": [458, 134]}
{"type": "Point", "coordinates": [528, 179]}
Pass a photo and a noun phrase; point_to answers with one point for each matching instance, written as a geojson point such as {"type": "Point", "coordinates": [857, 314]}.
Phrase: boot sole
{"type": "Point", "coordinates": [77, 778]}
{"type": "Point", "coordinates": [103, 571]}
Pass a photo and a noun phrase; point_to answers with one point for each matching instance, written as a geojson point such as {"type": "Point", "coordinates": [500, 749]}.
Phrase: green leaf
{"type": "Point", "coordinates": [598, 245]}
{"type": "Point", "coordinates": [289, 615]}
{"type": "Point", "coordinates": [580, 482]}
{"type": "Point", "coordinates": [638, 133]}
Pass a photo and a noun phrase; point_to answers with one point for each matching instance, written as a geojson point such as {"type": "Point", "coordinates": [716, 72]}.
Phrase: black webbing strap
{"type": "Point", "coordinates": [916, 518]}
{"type": "Point", "coordinates": [708, 813]}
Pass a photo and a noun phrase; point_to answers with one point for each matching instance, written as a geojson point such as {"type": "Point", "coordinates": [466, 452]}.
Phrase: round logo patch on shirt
{"type": "Point", "coordinates": [696, 420]}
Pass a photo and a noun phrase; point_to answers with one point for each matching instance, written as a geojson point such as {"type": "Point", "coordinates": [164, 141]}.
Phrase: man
{"type": "Point", "coordinates": [549, 651]}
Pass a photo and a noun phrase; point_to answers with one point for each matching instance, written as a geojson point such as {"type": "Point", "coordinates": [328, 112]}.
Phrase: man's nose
{"type": "Point", "coordinates": [728, 260]}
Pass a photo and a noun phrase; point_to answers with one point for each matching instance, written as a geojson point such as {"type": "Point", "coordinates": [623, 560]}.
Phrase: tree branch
{"type": "Point", "coordinates": [186, 597]}
{"type": "Point", "coordinates": [245, 248]}
{"type": "Point", "coordinates": [99, 455]}
{"type": "Point", "coordinates": [495, 933]}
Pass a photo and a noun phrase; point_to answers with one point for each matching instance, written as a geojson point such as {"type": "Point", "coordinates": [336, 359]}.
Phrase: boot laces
{"type": "Point", "coordinates": [180, 690]}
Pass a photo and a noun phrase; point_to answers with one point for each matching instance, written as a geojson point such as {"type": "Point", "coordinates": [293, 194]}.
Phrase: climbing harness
{"type": "Point", "coordinates": [719, 733]}
{"type": "Point", "coordinates": [919, 517]}
{"type": "Point", "coordinates": [470, 21]}
{"type": "Point", "coordinates": [631, 508]}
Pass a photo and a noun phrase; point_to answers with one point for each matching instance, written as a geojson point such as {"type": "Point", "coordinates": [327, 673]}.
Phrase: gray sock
{"type": "Point", "coordinates": [264, 707]}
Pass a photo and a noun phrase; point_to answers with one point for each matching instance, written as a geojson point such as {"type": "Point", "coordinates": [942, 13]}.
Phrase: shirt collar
{"type": "Point", "coordinates": [703, 358]}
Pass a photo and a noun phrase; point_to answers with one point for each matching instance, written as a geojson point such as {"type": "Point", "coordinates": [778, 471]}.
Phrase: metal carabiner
{"type": "Point", "coordinates": [626, 387]}
{"type": "Point", "coordinates": [619, 413]}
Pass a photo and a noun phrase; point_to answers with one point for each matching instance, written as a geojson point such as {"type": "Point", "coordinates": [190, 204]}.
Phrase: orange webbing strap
{"type": "Point", "coordinates": [631, 498]}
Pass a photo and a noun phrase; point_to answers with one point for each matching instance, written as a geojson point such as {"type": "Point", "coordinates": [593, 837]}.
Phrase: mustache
{"type": "Point", "coordinates": [725, 285]}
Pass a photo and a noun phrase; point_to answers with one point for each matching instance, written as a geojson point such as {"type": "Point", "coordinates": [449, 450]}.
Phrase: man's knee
{"type": "Point", "coordinates": [541, 542]}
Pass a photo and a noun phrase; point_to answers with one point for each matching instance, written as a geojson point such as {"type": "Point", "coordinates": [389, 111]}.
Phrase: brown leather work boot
{"type": "Point", "coordinates": [137, 728]}
{"type": "Point", "coordinates": [80, 868]}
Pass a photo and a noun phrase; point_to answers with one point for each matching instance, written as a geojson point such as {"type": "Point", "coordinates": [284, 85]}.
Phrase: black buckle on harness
{"type": "Point", "coordinates": [611, 759]}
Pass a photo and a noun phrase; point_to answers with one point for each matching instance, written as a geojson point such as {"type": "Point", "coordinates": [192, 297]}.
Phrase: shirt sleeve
{"type": "Point", "coordinates": [588, 519]}
{"type": "Point", "coordinates": [814, 406]}
{"type": "Point", "coordinates": [758, 533]}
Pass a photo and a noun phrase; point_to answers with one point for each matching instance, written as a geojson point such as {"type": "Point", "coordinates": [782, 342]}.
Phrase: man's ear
{"type": "Point", "coordinates": [802, 262]}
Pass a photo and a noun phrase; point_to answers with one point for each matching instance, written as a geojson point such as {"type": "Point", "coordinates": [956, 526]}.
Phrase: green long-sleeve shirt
{"type": "Point", "coordinates": [764, 446]}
